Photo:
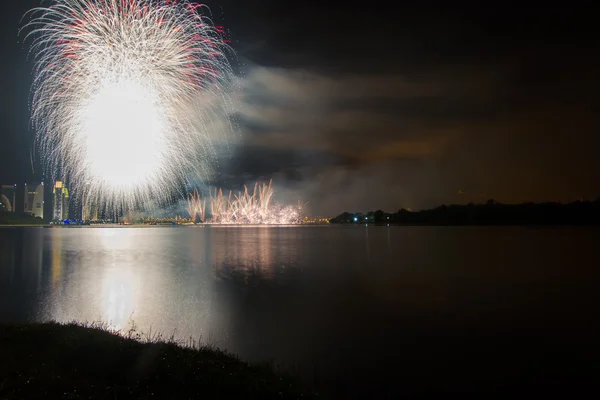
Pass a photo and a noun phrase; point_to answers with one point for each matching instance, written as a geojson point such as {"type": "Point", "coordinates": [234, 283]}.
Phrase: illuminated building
{"type": "Point", "coordinates": [60, 204]}
{"type": "Point", "coordinates": [7, 197]}
{"type": "Point", "coordinates": [34, 199]}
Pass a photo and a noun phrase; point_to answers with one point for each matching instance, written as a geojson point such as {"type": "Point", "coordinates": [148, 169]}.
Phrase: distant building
{"type": "Point", "coordinates": [8, 197]}
{"type": "Point", "coordinates": [60, 201]}
{"type": "Point", "coordinates": [34, 199]}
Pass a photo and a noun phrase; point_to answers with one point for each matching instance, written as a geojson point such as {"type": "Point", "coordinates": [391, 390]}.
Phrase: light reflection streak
{"type": "Point", "coordinates": [56, 258]}
{"type": "Point", "coordinates": [246, 253]}
{"type": "Point", "coordinates": [120, 286]}
{"type": "Point", "coordinates": [119, 289]}
{"type": "Point", "coordinates": [160, 278]}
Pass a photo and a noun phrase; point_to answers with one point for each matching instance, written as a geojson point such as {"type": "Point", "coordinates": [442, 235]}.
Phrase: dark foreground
{"type": "Point", "coordinates": [359, 312]}
{"type": "Point", "coordinates": [72, 361]}
{"type": "Point", "coordinates": [77, 362]}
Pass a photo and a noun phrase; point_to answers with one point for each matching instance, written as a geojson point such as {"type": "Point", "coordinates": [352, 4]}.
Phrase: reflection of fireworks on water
{"type": "Point", "coordinates": [115, 85]}
{"type": "Point", "coordinates": [243, 208]}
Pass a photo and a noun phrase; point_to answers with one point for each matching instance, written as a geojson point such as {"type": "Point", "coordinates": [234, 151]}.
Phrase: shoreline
{"type": "Point", "coordinates": [358, 225]}
{"type": "Point", "coordinates": [52, 360]}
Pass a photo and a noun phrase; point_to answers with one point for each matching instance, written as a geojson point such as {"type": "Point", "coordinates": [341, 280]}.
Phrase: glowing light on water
{"type": "Point", "coordinates": [117, 85]}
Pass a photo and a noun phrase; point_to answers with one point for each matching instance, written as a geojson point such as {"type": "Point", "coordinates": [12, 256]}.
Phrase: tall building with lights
{"type": "Point", "coordinates": [8, 197]}
{"type": "Point", "coordinates": [34, 199]}
{"type": "Point", "coordinates": [60, 201]}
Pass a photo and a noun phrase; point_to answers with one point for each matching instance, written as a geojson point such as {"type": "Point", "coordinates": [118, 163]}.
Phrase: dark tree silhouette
{"type": "Point", "coordinates": [490, 213]}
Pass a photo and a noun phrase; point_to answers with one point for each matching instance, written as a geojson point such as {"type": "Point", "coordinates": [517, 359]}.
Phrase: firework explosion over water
{"type": "Point", "coordinates": [116, 85]}
{"type": "Point", "coordinates": [243, 207]}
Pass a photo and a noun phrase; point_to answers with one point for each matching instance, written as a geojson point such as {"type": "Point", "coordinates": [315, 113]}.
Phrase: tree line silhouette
{"type": "Point", "coordinates": [489, 213]}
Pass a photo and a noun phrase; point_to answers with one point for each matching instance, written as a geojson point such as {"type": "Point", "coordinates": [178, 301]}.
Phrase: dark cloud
{"type": "Point", "coordinates": [390, 142]}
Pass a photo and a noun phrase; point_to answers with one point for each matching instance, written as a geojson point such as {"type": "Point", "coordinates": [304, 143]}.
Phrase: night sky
{"type": "Point", "coordinates": [364, 106]}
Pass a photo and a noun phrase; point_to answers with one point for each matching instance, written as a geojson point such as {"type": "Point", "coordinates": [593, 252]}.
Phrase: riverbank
{"type": "Point", "coordinates": [22, 225]}
{"type": "Point", "coordinates": [52, 360]}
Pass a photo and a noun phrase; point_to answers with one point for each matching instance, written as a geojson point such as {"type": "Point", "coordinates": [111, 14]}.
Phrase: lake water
{"type": "Point", "coordinates": [357, 310]}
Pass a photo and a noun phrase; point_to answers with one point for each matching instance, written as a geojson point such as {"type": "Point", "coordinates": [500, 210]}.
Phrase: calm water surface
{"type": "Point", "coordinates": [357, 309]}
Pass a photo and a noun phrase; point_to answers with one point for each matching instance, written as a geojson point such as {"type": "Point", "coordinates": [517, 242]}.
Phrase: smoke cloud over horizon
{"type": "Point", "coordinates": [367, 142]}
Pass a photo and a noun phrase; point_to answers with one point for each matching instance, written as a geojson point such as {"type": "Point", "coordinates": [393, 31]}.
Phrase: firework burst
{"type": "Point", "coordinates": [243, 207]}
{"type": "Point", "coordinates": [116, 84]}
{"type": "Point", "coordinates": [196, 207]}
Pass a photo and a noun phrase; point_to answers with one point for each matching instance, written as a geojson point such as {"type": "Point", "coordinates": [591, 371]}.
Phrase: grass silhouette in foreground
{"type": "Point", "coordinates": [90, 361]}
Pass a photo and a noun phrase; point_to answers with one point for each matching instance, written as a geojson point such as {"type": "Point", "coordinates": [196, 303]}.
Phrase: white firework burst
{"type": "Point", "coordinates": [244, 208]}
{"type": "Point", "coordinates": [116, 86]}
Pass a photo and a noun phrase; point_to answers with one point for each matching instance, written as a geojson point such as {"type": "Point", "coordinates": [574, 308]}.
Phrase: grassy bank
{"type": "Point", "coordinates": [74, 361]}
